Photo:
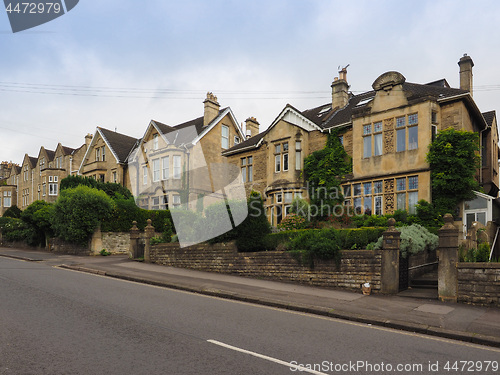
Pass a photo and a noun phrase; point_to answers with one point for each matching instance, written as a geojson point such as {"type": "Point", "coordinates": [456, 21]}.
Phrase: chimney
{"type": "Point", "coordinates": [466, 65]}
{"type": "Point", "coordinates": [340, 95]}
{"type": "Point", "coordinates": [252, 127]}
{"type": "Point", "coordinates": [88, 139]}
{"type": "Point", "coordinates": [211, 109]}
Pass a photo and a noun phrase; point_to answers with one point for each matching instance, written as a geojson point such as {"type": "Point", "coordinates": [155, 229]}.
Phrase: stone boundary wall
{"type": "Point", "coordinates": [60, 246]}
{"type": "Point", "coordinates": [479, 283]}
{"type": "Point", "coordinates": [116, 242]}
{"type": "Point", "coordinates": [357, 266]}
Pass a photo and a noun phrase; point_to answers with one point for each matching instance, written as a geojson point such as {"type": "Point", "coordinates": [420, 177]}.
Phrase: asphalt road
{"type": "Point", "coordinates": [55, 321]}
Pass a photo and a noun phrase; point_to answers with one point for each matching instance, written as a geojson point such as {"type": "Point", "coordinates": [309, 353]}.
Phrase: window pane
{"type": "Point", "coordinates": [177, 167]}
{"type": "Point", "coordinates": [367, 147]}
{"type": "Point", "coordinates": [347, 191]}
{"type": "Point", "coordinates": [285, 146]}
{"type": "Point", "coordinates": [285, 162]}
{"type": "Point", "coordinates": [378, 144]}
{"type": "Point", "coordinates": [378, 205]}
{"type": "Point", "coordinates": [400, 184]}
{"type": "Point", "coordinates": [243, 174]}
{"type": "Point", "coordinates": [165, 167]}
{"type": "Point", "coordinates": [400, 121]}
{"type": "Point", "coordinates": [279, 198]}
{"type": "Point", "coordinates": [413, 183]}
{"type": "Point", "coordinates": [368, 205]}
{"type": "Point", "coordinates": [277, 149]}
{"type": "Point", "coordinates": [357, 202]}
{"type": "Point", "coordinates": [250, 160]}
{"type": "Point", "coordinates": [298, 145]}
{"type": "Point", "coordinates": [288, 197]}
{"type": "Point", "coordinates": [250, 173]}
{"type": "Point", "coordinates": [413, 138]}
{"type": "Point", "coordinates": [367, 129]}
{"type": "Point", "coordinates": [377, 127]}
{"type": "Point", "coordinates": [377, 187]}
{"type": "Point", "coordinates": [367, 186]}
{"type": "Point", "coordinates": [413, 119]}
{"type": "Point", "coordinates": [298, 160]}
{"type": "Point", "coordinates": [481, 217]}
{"type": "Point", "coordinates": [277, 163]}
{"type": "Point", "coordinates": [412, 201]}
{"type": "Point", "coordinates": [401, 141]}
{"type": "Point", "coordinates": [156, 170]}
{"type": "Point", "coordinates": [244, 161]}
{"type": "Point", "coordinates": [357, 189]}
{"type": "Point", "coordinates": [401, 204]}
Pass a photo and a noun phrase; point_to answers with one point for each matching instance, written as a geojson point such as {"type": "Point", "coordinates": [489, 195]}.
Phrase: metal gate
{"type": "Point", "coordinates": [403, 273]}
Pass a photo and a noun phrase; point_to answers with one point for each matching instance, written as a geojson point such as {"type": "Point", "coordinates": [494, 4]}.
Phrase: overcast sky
{"type": "Point", "coordinates": [120, 63]}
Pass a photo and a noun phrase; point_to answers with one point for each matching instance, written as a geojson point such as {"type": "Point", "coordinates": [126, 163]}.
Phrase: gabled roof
{"type": "Point", "coordinates": [33, 161]}
{"type": "Point", "coordinates": [119, 144]}
{"type": "Point", "coordinates": [50, 154]}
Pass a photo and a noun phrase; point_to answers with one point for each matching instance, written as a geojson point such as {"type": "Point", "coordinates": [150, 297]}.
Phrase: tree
{"type": "Point", "coordinates": [13, 211]}
{"type": "Point", "coordinates": [324, 169]}
{"type": "Point", "coordinates": [38, 217]}
{"type": "Point", "coordinates": [79, 211]}
{"type": "Point", "coordinates": [252, 231]}
{"type": "Point", "coordinates": [112, 189]}
{"type": "Point", "coordinates": [454, 159]}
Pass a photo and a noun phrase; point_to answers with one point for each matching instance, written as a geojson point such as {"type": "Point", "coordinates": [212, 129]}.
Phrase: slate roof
{"type": "Point", "coordinates": [489, 116]}
{"type": "Point", "coordinates": [120, 144]}
{"type": "Point", "coordinates": [50, 154]}
{"type": "Point", "coordinates": [33, 160]}
{"type": "Point", "coordinates": [67, 150]}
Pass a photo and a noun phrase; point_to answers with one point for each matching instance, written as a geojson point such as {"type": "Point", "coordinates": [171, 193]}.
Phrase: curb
{"type": "Point", "coordinates": [20, 258]}
{"type": "Point", "coordinates": [321, 311]}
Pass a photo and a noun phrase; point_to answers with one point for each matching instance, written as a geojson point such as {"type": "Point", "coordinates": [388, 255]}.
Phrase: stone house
{"type": "Point", "coordinates": [8, 189]}
{"type": "Point", "coordinates": [386, 131]}
{"type": "Point", "coordinates": [106, 156]}
{"type": "Point", "coordinates": [181, 164]}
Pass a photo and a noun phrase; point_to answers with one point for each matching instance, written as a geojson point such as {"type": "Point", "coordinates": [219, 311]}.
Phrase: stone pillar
{"type": "Point", "coordinates": [96, 241]}
{"type": "Point", "coordinates": [389, 279]}
{"type": "Point", "coordinates": [149, 232]}
{"type": "Point", "coordinates": [448, 261]}
{"type": "Point", "coordinates": [134, 240]}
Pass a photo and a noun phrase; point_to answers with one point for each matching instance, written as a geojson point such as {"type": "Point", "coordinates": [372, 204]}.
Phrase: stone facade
{"type": "Point", "coordinates": [479, 283]}
{"type": "Point", "coordinates": [357, 266]}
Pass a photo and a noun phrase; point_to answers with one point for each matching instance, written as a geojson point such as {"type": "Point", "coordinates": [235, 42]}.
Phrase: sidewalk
{"type": "Point", "coordinates": [474, 324]}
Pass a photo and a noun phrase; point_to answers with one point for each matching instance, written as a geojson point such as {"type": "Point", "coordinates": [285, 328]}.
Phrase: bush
{"type": "Point", "coordinates": [292, 221]}
{"type": "Point", "coordinates": [252, 231]}
{"type": "Point", "coordinates": [321, 244]}
{"type": "Point", "coordinates": [481, 254]}
{"type": "Point", "coordinates": [38, 217]}
{"type": "Point", "coordinates": [14, 230]}
{"type": "Point", "coordinates": [414, 239]}
{"type": "Point", "coordinates": [13, 211]}
{"type": "Point", "coordinates": [79, 211]}
{"type": "Point", "coordinates": [111, 189]}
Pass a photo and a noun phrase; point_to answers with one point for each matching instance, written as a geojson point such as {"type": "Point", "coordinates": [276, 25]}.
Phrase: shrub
{"type": "Point", "coordinates": [38, 217]}
{"type": "Point", "coordinates": [292, 221]}
{"type": "Point", "coordinates": [111, 189]}
{"type": "Point", "coordinates": [300, 207]}
{"type": "Point", "coordinates": [251, 232]}
{"type": "Point", "coordinates": [14, 230]}
{"type": "Point", "coordinates": [481, 254]}
{"type": "Point", "coordinates": [79, 211]}
{"type": "Point", "coordinates": [13, 211]}
{"type": "Point", "coordinates": [414, 239]}
{"type": "Point", "coordinates": [321, 244]}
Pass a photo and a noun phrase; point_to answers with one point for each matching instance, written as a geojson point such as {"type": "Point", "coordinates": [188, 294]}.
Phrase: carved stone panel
{"type": "Point", "coordinates": [389, 203]}
{"type": "Point", "coordinates": [388, 141]}
{"type": "Point", "coordinates": [389, 124]}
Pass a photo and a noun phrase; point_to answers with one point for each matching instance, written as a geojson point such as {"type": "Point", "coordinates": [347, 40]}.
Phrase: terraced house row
{"type": "Point", "coordinates": [386, 131]}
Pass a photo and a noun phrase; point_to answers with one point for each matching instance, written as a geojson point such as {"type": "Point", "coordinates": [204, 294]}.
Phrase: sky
{"type": "Point", "coordinates": [120, 63]}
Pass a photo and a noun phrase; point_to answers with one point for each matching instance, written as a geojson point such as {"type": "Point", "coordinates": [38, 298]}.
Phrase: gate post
{"type": "Point", "coordinates": [149, 232]}
{"type": "Point", "coordinates": [448, 259]}
{"type": "Point", "coordinates": [134, 240]}
{"type": "Point", "coordinates": [389, 279]}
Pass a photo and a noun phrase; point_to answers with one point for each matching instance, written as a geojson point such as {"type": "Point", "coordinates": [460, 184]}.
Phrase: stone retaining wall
{"type": "Point", "coordinates": [356, 268]}
{"type": "Point", "coordinates": [116, 242]}
{"type": "Point", "coordinates": [479, 283]}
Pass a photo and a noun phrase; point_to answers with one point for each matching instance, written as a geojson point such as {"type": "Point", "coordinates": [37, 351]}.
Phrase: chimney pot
{"type": "Point", "coordinates": [211, 109]}
{"type": "Point", "coordinates": [252, 127]}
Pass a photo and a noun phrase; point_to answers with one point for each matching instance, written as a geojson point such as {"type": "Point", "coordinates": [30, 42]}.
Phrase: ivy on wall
{"type": "Point", "coordinates": [454, 160]}
{"type": "Point", "coordinates": [324, 170]}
